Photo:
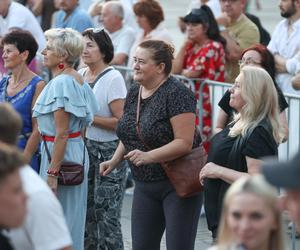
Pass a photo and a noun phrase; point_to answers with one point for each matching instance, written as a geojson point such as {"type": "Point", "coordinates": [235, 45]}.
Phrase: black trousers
{"type": "Point", "coordinates": [156, 208]}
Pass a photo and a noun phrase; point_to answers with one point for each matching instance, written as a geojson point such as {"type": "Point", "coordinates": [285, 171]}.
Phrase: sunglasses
{"type": "Point", "coordinates": [94, 30]}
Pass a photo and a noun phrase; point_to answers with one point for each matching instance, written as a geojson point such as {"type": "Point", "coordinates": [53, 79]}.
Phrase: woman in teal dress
{"type": "Point", "coordinates": [22, 88]}
{"type": "Point", "coordinates": [65, 107]}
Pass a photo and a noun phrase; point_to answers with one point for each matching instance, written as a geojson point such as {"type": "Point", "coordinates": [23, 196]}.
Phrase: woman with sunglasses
{"type": "Point", "coordinates": [257, 55]}
{"type": "Point", "coordinates": [105, 195]}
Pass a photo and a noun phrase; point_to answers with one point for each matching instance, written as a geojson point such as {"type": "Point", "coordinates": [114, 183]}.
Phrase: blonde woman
{"type": "Point", "coordinates": [63, 110]}
{"type": "Point", "coordinates": [236, 151]}
{"type": "Point", "coordinates": [250, 217]}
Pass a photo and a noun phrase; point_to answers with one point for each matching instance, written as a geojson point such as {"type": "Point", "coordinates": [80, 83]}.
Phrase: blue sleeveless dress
{"type": "Point", "coordinates": [64, 92]}
{"type": "Point", "coordinates": [22, 103]}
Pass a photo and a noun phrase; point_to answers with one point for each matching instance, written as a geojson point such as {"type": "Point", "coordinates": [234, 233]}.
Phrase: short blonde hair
{"type": "Point", "coordinates": [260, 96]}
{"type": "Point", "coordinates": [257, 186]}
{"type": "Point", "coordinates": [66, 42]}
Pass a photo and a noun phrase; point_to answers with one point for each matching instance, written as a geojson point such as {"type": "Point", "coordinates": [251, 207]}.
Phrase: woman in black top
{"type": "Point", "coordinates": [167, 125]}
{"type": "Point", "coordinates": [254, 133]}
{"type": "Point", "coordinates": [256, 55]}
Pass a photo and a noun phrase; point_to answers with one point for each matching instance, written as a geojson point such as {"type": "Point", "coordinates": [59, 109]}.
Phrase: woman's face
{"type": "Point", "coordinates": [236, 100]}
{"type": "Point", "coordinates": [11, 56]}
{"type": "Point", "coordinates": [143, 23]}
{"type": "Point", "coordinates": [195, 31]}
{"type": "Point", "coordinates": [145, 69]}
{"type": "Point", "coordinates": [250, 221]}
{"type": "Point", "coordinates": [12, 201]}
{"type": "Point", "coordinates": [91, 53]}
{"type": "Point", "coordinates": [251, 57]}
{"type": "Point", "coordinates": [51, 59]}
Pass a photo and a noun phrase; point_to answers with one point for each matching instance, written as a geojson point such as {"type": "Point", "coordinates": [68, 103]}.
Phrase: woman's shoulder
{"type": "Point", "coordinates": [174, 85]}
{"type": "Point", "coordinates": [215, 45]}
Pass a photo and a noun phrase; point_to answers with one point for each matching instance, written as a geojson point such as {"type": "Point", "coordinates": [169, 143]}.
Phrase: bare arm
{"type": "Point", "coordinates": [119, 59]}
{"type": "Point", "coordinates": [61, 119]}
{"type": "Point", "coordinates": [214, 171]}
{"type": "Point", "coordinates": [183, 126]}
{"type": "Point", "coordinates": [34, 138]}
{"type": "Point", "coordinates": [280, 64]}
{"type": "Point", "coordinates": [110, 123]}
{"type": "Point", "coordinates": [285, 125]}
{"type": "Point", "coordinates": [233, 49]}
{"type": "Point", "coordinates": [178, 61]}
{"type": "Point", "coordinates": [222, 120]}
{"type": "Point", "coordinates": [106, 167]}
{"type": "Point", "coordinates": [37, 7]}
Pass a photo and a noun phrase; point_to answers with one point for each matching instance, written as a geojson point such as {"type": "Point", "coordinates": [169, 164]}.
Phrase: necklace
{"type": "Point", "coordinates": [149, 92]}
{"type": "Point", "coordinates": [16, 85]}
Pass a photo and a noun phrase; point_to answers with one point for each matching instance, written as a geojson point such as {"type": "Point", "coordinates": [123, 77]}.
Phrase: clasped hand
{"type": "Point", "coordinates": [210, 170]}
{"type": "Point", "coordinates": [138, 158]}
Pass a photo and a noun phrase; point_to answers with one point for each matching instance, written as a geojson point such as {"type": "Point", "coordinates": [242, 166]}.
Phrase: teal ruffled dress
{"type": "Point", "coordinates": [65, 92]}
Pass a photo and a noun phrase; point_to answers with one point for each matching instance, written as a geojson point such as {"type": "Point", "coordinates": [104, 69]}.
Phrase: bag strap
{"type": "Point", "coordinates": [49, 155]}
{"type": "Point", "coordinates": [137, 123]}
{"type": "Point", "coordinates": [92, 84]}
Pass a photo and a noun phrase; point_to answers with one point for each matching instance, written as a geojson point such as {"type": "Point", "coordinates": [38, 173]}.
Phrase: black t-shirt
{"type": "Point", "coordinates": [170, 99]}
{"type": "Point", "coordinates": [4, 242]}
{"type": "Point", "coordinates": [258, 145]}
{"type": "Point", "coordinates": [224, 102]}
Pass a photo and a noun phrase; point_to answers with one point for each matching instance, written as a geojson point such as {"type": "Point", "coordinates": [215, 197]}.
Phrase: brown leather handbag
{"type": "Point", "coordinates": [182, 172]}
{"type": "Point", "coordinates": [70, 173]}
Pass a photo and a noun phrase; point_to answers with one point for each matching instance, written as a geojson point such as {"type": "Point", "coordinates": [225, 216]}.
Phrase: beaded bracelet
{"type": "Point", "coordinates": [52, 172]}
{"type": "Point", "coordinates": [51, 175]}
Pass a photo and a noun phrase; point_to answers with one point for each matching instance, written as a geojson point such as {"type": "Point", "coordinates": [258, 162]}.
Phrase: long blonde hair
{"type": "Point", "coordinates": [258, 186]}
{"type": "Point", "coordinates": [260, 96]}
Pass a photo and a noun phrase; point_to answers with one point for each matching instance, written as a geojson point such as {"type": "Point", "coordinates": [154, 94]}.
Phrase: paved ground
{"type": "Point", "coordinates": [269, 16]}
{"type": "Point", "coordinates": [203, 238]}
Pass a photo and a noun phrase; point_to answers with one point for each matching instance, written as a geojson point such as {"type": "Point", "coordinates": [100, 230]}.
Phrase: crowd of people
{"type": "Point", "coordinates": [63, 102]}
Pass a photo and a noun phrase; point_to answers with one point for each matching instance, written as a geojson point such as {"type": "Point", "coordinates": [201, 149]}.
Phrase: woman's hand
{"type": "Point", "coordinates": [210, 170]}
{"type": "Point", "coordinates": [106, 167]}
{"type": "Point", "coordinates": [52, 181]}
{"type": "Point", "coordinates": [139, 158]}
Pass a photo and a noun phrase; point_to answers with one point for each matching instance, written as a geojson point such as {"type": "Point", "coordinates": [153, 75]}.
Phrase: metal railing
{"type": "Point", "coordinates": [217, 90]}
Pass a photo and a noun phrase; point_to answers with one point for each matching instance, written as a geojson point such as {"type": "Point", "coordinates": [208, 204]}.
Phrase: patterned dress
{"type": "Point", "coordinates": [22, 103]}
{"type": "Point", "coordinates": [210, 60]}
{"type": "Point", "coordinates": [78, 100]}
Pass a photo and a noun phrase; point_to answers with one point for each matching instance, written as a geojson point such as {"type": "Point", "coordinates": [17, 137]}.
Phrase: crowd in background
{"type": "Point", "coordinates": [68, 103]}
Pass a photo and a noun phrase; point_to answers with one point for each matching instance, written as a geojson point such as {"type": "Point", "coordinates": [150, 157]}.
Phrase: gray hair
{"type": "Point", "coordinates": [66, 42]}
{"type": "Point", "coordinates": [116, 8]}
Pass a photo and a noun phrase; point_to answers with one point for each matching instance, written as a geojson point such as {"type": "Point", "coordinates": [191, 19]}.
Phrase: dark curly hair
{"type": "Point", "coordinates": [23, 40]}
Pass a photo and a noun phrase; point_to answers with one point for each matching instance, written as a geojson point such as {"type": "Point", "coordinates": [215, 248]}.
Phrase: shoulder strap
{"type": "Point", "coordinates": [4, 82]}
{"type": "Point", "coordinates": [36, 79]}
{"type": "Point", "coordinates": [99, 76]}
{"type": "Point", "coordinates": [49, 155]}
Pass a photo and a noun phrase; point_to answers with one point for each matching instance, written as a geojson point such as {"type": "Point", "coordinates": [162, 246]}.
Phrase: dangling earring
{"type": "Point", "coordinates": [61, 65]}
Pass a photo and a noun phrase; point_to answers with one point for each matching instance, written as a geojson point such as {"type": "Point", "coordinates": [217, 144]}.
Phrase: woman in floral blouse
{"type": "Point", "coordinates": [202, 56]}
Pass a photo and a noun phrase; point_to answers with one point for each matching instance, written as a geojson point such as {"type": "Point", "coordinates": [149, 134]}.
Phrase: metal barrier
{"type": "Point", "coordinates": [287, 149]}
{"type": "Point", "coordinates": [217, 89]}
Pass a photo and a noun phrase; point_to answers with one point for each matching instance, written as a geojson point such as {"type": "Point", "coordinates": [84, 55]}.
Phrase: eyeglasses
{"type": "Point", "coordinates": [248, 61]}
{"type": "Point", "coordinates": [94, 30]}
